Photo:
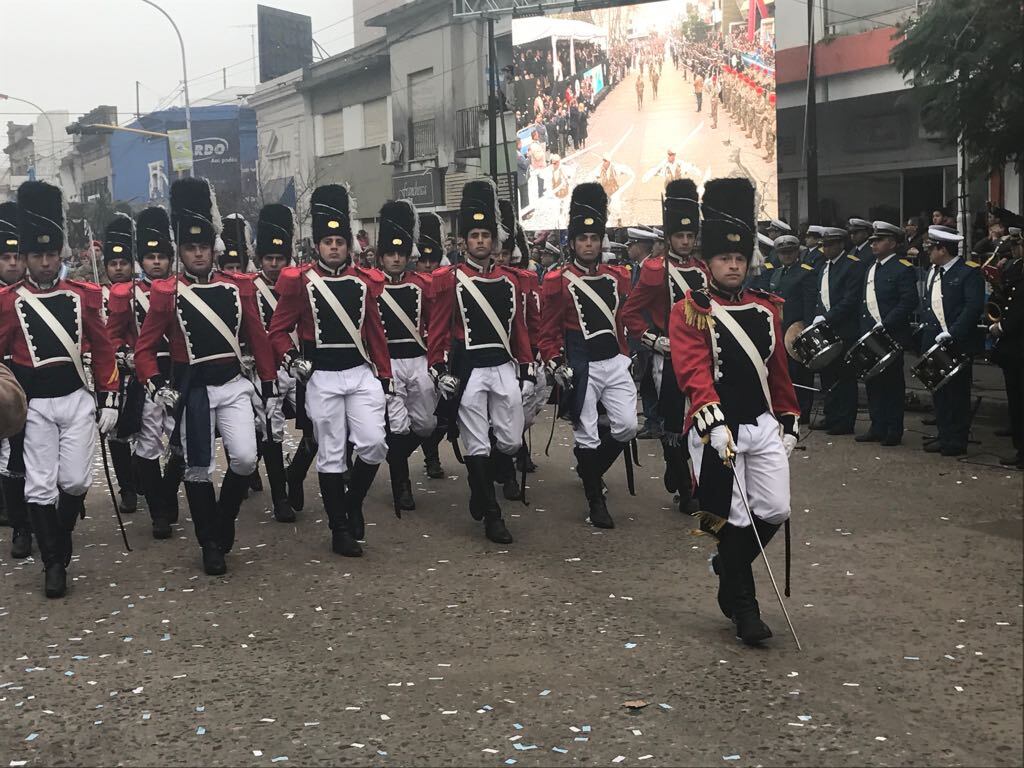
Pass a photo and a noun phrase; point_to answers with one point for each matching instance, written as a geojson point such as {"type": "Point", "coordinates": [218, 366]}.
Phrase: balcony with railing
{"type": "Point", "coordinates": [422, 139]}
{"type": "Point", "coordinates": [467, 130]}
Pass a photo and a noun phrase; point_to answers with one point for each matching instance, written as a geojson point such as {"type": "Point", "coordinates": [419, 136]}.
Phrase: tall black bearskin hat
{"type": "Point", "coordinates": [331, 207]}
{"type": "Point", "coordinates": [118, 238]}
{"type": "Point", "coordinates": [479, 209]}
{"type": "Point", "coordinates": [588, 210]}
{"type": "Point", "coordinates": [8, 227]}
{"type": "Point", "coordinates": [399, 228]}
{"type": "Point", "coordinates": [194, 214]}
{"type": "Point", "coordinates": [153, 233]}
{"type": "Point", "coordinates": [275, 230]}
{"type": "Point", "coordinates": [521, 251]}
{"type": "Point", "coordinates": [235, 237]}
{"type": "Point", "coordinates": [680, 208]}
{"type": "Point", "coordinates": [728, 210]}
{"type": "Point", "coordinates": [40, 217]}
{"type": "Point", "coordinates": [430, 244]}
{"type": "Point", "coordinates": [508, 221]}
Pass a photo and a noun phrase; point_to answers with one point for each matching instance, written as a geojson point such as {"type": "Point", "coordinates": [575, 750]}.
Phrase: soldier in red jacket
{"type": "Point", "coordinates": [663, 282]}
{"type": "Point", "coordinates": [343, 358]}
{"type": "Point", "coordinates": [47, 326]}
{"type": "Point", "coordinates": [584, 347]}
{"type": "Point", "coordinates": [143, 421]}
{"type": "Point", "coordinates": [404, 306]}
{"type": "Point", "coordinates": [730, 361]}
{"type": "Point", "coordinates": [479, 351]}
{"type": "Point", "coordinates": [431, 249]}
{"type": "Point", "coordinates": [205, 315]}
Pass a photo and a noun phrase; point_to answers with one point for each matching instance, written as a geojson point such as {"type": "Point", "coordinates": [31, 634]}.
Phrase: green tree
{"type": "Point", "coordinates": [966, 60]}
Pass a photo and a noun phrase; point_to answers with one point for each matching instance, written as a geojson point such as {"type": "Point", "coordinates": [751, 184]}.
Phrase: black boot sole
{"type": "Point", "coordinates": [56, 581]}
{"type": "Point", "coordinates": [346, 546]}
{"type": "Point", "coordinates": [214, 563]}
{"type": "Point", "coordinates": [497, 532]}
{"type": "Point", "coordinates": [21, 547]}
{"type": "Point", "coordinates": [283, 512]}
{"type": "Point", "coordinates": [162, 530]}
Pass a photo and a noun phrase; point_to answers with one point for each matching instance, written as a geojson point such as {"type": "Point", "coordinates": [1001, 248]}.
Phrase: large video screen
{"type": "Point", "coordinates": [634, 96]}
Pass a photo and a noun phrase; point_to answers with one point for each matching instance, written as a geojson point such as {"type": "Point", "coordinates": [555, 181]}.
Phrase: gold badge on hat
{"type": "Point", "coordinates": [12, 242]}
{"type": "Point", "coordinates": [732, 237]}
{"type": "Point", "coordinates": [194, 230]}
{"type": "Point", "coordinates": [152, 243]}
{"type": "Point", "coordinates": [43, 239]}
{"type": "Point", "coordinates": [588, 220]}
{"type": "Point", "coordinates": [117, 249]}
{"type": "Point", "coordinates": [277, 241]}
{"type": "Point", "coordinates": [232, 253]}
{"type": "Point", "coordinates": [396, 241]}
{"type": "Point", "coordinates": [332, 224]}
{"type": "Point", "coordinates": [684, 221]}
{"type": "Point", "coordinates": [478, 217]}
{"type": "Point", "coordinates": [428, 250]}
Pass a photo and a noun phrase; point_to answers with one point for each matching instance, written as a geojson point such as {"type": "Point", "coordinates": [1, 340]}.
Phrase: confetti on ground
{"type": "Point", "coordinates": [559, 750]}
{"type": "Point", "coordinates": [200, 731]}
{"type": "Point", "coordinates": [618, 758]}
{"type": "Point", "coordinates": [545, 692]}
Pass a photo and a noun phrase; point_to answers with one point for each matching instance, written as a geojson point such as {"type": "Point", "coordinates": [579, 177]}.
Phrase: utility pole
{"type": "Point", "coordinates": [492, 106]}
{"type": "Point", "coordinates": [811, 125]}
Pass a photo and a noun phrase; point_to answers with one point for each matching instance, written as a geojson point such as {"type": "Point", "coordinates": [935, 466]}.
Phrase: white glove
{"type": "Point", "coordinates": [818, 319]}
{"type": "Point", "coordinates": [943, 336]}
{"type": "Point", "coordinates": [106, 419]}
{"type": "Point", "coordinates": [789, 443]}
{"type": "Point", "coordinates": [721, 440]}
{"type": "Point", "coordinates": [300, 368]}
{"type": "Point", "coordinates": [167, 397]}
{"type": "Point", "coordinates": [125, 359]}
{"type": "Point", "coordinates": [661, 345]}
{"type": "Point", "coordinates": [528, 388]}
{"type": "Point", "coordinates": [996, 330]}
{"type": "Point", "coordinates": [447, 385]}
{"type": "Point", "coordinates": [561, 373]}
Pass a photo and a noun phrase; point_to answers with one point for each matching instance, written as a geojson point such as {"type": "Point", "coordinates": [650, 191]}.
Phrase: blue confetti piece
{"type": "Point", "coordinates": [69, 673]}
{"type": "Point", "coordinates": [631, 645]}
{"type": "Point", "coordinates": [200, 731]}
{"type": "Point", "coordinates": [487, 707]}
{"type": "Point", "coordinates": [510, 761]}
{"type": "Point", "coordinates": [586, 729]}
{"type": "Point", "coordinates": [32, 737]}
{"type": "Point", "coordinates": [517, 726]}
{"type": "Point", "coordinates": [382, 753]}
{"type": "Point", "coordinates": [545, 692]}
{"type": "Point", "coordinates": [200, 708]}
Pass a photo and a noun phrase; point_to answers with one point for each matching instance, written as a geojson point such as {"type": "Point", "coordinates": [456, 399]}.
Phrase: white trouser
{"type": "Point", "coordinates": [231, 414]}
{"type": "Point", "coordinates": [346, 407]}
{"type": "Point", "coordinates": [412, 406]}
{"type": "Point", "coordinates": [157, 423]}
{"type": "Point", "coordinates": [275, 406]}
{"type": "Point", "coordinates": [5, 457]}
{"type": "Point", "coordinates": [762, 471]}
{"type": "Point", "coordinates": [610, 383]}
{"type": "Point", "coordinates": [60, 439]}
{"type": "Point", "coordinates": [534, 404]}
{"type": "Point", "coordinates": [492, 400]}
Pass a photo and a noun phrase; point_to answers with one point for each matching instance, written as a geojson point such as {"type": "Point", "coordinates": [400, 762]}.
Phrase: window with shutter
{"type": "Point", "coordinates": [334, 133]}
{"type": "Point", "coordinates": [375, 122]}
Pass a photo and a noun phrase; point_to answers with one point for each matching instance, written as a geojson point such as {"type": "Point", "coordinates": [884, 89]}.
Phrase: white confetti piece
{"type": "Point", "coordinates": [200, 731]}
{"type": "Point", "coordinates": [618, 758]}
{"type": "Point", "coordinates": [32, 737]}
{"type": "Point", "coordinates": [385, 718]}
{"type": "Point", "coordinates": [257, 753]}
{"type": "Point", "coordinates": [489, 751]}
{"type": "Point", "coordinates": [545, 692]}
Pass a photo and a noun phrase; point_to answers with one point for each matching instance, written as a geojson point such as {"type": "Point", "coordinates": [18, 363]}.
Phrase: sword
{"type": "Point", "coordinates": [730, 462]}
{"type": "Point", "coordinates": [110, 488]}
{"type": "Point", "coordinates": [627, 458]}
{"type": "Point", "coordinates": [522, 484]}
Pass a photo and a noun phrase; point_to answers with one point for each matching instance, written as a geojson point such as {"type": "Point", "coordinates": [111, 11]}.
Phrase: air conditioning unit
{"type": "Point", "coordinates": [390, 152]}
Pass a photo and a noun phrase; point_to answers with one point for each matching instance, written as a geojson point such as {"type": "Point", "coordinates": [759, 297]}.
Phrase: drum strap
{"type": "Point", "coordinates": [870, 297]}
{"type": "Point", "coordinates": [935, 297]}
{"type": "Point", "coordinates": [824, 287]}
{"type": "Point", "coordinates": [722, 315]}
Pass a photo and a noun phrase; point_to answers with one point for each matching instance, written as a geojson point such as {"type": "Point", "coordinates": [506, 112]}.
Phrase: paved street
{"type": "Point", "coordinates": [637, 140]}
{"type": "Point", "coordinates": [437, 648]}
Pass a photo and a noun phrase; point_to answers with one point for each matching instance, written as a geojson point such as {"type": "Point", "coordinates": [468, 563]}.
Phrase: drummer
{"type": "Point", "coordinates": [889, 300]}
{"type": "Point", "coordinates": [840, 287]}
{"type": "Point", "coordinates": [954, 299]}
{"type": "Point", "coordinates": [795, 282]}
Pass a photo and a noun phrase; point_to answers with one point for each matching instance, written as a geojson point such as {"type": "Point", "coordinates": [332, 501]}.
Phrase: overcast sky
{"type": "Point", "coordinates": [77, 54]}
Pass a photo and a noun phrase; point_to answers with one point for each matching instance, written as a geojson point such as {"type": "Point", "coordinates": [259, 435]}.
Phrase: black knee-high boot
{"type": "Point", "coordinates": [431, 457]}
{"type": "Point", "coordinates": [47, 526]}
{"type": "Point", "coordinates": [589, 463]}
{"type": "Point", "coordinates": [151, 485]}
{"type": "Point", "coordinates": [273, 461]}
{"type": "Point", "coordinates": [202, 505]}
{"type": "Point", "coordinates": [121, 459]}
{"type": "Point", "coordinates": [70, 508]}
{"type": "Point", "coordinates": [232, 491]}
{"type": "Point", "coordinates": [297, 469]}
{"type": "Point", "coordinates": [737, 595]}
{"type": "Point", "coordinates": [482, 501]}
{"type": "Point", "coordinates": [360, 479]}
{"type": "Point", "coordinates": [400, 448]}
{"type": "Point", "coordinates": [503, 471]}
{"type": "Point", "coordinates": [332, 491]}
{"type": "Point", "coordinates": [174, 473]}
{"type": "Point", "coordinates": [17, 514]}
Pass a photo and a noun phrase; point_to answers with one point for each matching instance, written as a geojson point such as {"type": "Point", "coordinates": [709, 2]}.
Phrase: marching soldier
{"type": "Point", "coordinates": [12, 458]}
{"type": "Point", "coordinates": [796, 284]}
{"type": "Point", "coordinates": [954, 299]}
{"type": "Point", "coordinates": [146, 422]}
{"type": "Point", "coordinates": [479, 350]}
{"type": "Point", "coordinates": [119, 266]}
{"type": "Point", "coordinates": [431, 248]}
{"type": "Point", "coordinates": [812, 240]}
{"type": "Point", "coordinates": [206, 315]}
{"type": "Point", "coordinates": [583, 345]}
{"type": "Point", "coordinates": [404, 306]}
{"type": "Point", "coordinates": [47, 326]}
{"type": "Point", "coordinates": [890, 299]}
{"type": "Point", "coordinates": [742, 421]}
{"type": "Point", "coordinates": [1007, 327]}
{"type": "Point", "coordinates": [234, 258]}
{"type": "Point", "coordinates": [840, 289]}
{"type": "Point", "coordinates": [860, 230]}
{"type": "Point", "coordinates": [646, 314]}
{"type": "Point", "coordinates": [342, 357]}
{"type": "Point", "coordinates": [275, 237]}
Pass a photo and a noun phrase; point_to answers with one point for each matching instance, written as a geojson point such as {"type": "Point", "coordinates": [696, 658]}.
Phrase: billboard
{"type": "Point", "coordinates": [634, 96]}
{"type": "Point", "coordinates": [285, 39]}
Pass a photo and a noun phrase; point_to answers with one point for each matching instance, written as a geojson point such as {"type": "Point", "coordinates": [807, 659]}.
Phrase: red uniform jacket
{"type": "Point", "coordinates": [531, 303]}
{"type": "Point", "coordinates": [443, 331]}
{"type": "Point", "coordinates": [650, 296]}
{"type": "Point", "coordinates": [711, 367]}
{"type": "Point", "coordinates": [411, 291]}
{"type": "Point", "coordinates": [564, 308]}
{"type": "Point", "coordinates": [240, 314]}
{"type": "Point", "coordinates": [322, 335]}
{"type": "Point", "coordinates": [38, 359]}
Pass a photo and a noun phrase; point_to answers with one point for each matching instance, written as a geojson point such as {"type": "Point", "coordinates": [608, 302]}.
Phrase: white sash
{"type": "Point", "coordinates": [722, 315]}
{"type": "Point", "coordinates": [343, 316]}
{"type": "Point", "coordinates": [403, 318]}
{"type": "Point", "coordinates": [870, 298]}
{"type": "Point", "coordinates": [268, 296]}
{"type": "Point", "coordinates": [485, 306]}
{"type": "Point", "coordinates": [593, 296]}
{"type": "Point", "coordinates": [54, 325]}
{"type": "Point", "coordinates": [824, 287]}
{"type": "Point", "coordinates": [186, 292]}
{"type": "Point", "coordinates": [935, 297]}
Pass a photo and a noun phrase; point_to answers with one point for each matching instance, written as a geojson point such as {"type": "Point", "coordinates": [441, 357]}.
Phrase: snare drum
{"type": "Point", "coordinates": [875, 351]}
{"type": "Point", "coordinates": [817, 347]}
{"type": "Point", "coordinates": [939, 365]}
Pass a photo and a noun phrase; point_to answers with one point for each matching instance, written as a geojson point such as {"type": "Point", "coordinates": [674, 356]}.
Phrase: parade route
{"type": "Point", "coordinates": [439, 648]}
